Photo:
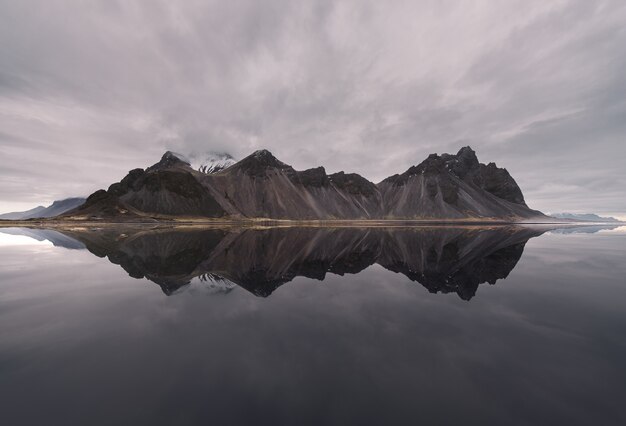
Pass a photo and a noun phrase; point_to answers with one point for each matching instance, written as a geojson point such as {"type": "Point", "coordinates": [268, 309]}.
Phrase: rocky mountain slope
{"type": "Point", "coordinates": [445, 187]}
{"type": "Point", "coordinates": [454, 186]}
{"type": "Point", "coordinates": [167, 189]}
{"type": "Point", "coordinates": [262, 186]}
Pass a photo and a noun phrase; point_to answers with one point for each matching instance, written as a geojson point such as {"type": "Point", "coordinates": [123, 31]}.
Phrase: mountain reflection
{"type": "Point", "coordinates": [447, 260]}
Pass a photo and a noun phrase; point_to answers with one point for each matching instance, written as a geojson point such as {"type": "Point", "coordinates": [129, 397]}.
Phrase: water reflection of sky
{"type": "Point", "coordinates": [24, 236]}
{"type": "Point", "coordinates": [81, 342]}
{"type": "Point", "coordinates": [20, 240]}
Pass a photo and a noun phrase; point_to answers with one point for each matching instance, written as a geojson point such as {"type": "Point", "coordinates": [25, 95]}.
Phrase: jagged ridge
{"type": "Point", "coordinates": [454, 186]}
{"type": "Point", "coordinates": [261, 186]}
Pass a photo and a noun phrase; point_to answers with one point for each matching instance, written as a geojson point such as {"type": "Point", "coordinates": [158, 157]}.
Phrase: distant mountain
{"type": "Point", "coordinates": [587, 217]}
{"type": "Point", "coordinates": [61, 206]}
{"type": "Point", "coordinates": [56, 208]}
{"type": "Point", "coordinates": [590, 228]}
{"type": "Point", "coordinates": [22, 215]}
{"type": "Point", "coordinates": [261, 186]}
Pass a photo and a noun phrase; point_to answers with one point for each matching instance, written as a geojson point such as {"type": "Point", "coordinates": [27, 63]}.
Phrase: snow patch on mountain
{"type": "Point", "coordinates": [209, 162]}
{"type": "Point", "coordinates": [216, 284]}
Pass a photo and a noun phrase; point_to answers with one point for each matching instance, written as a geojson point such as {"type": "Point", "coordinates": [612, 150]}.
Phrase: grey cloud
{"type": "Point", "coordinates": [89, 90]}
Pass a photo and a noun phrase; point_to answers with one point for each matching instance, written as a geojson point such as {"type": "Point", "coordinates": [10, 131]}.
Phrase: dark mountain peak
{"type": "Point", "coordinates": [101, 204]}
{"type": "Point", "coordinates": [353, 183]}
{"type": "Point", "coordinates": [263, 156]}
{"type": "Point", "coordinates": [432, 165]}
{"type": "Point", "coordinates": [467, 155]}
{"type": "Point", "coordinates": [259, 162]}
{"type": "Point", "coordinates": [169, 159]}
{"type": "Point", "coordinates": [99, 195]}
{"type": "Point", "coordinates": [464, 162]}
{"type": "Point", "coordinates": [127, 183]}
{"type": "Point", "coordinates": [461, 164]}
{"type": "Point", "coordinates": [444, 174]}
{"type": "Point", "coordinates": [466, 151]}
{"type": "Point", "coordinates": [315, 177]}
{"type": "Point", "coordinates": [163, 189]}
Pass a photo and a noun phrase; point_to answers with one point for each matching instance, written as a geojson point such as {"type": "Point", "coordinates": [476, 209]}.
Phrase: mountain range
{"type": "Point", "coordinates": [583, 217]}
{"type": "Point", "coordinates": [448, 187]}
{"type": "Point", "coordinates": [56, 208]}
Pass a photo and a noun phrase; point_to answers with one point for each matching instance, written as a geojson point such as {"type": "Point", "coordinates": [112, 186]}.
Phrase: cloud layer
{"type": "Point", "coordinates": [89, 90]}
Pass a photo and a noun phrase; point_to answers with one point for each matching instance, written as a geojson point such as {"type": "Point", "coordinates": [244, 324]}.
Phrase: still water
{"type": "Point", "coordinates": [305, 326]}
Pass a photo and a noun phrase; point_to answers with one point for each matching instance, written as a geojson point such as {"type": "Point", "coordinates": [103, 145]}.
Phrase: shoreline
{"type": "Point", "coordinates": [253, 223]}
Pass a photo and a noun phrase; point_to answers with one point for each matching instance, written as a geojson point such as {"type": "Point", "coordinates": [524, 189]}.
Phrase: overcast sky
{"type": "Point", "coordinates": [90, 90]}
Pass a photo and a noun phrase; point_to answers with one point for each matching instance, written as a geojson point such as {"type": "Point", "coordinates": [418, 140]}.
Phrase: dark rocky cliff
{"type": "Point", "coordinates": [168, 188]}
{"type": "Point", "coordinates": [455, 187]}
{"type": "Point", "coordinates": [261, 186]}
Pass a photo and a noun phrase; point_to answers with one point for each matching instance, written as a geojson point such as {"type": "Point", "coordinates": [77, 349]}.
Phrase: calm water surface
{"type": "Point", "coordinates": [136, 326]}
